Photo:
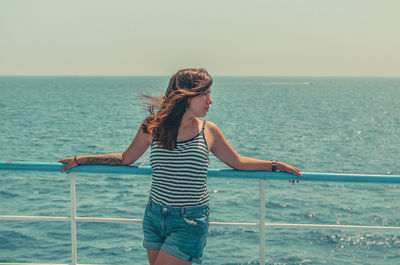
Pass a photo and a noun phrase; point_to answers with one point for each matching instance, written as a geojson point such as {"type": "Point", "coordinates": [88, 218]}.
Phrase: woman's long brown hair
{"type": "Point", "coordinates": [166, 113]}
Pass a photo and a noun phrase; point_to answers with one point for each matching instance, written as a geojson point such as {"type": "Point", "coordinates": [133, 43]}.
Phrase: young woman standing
{"type": "Point", "coordinates": [175, 223]}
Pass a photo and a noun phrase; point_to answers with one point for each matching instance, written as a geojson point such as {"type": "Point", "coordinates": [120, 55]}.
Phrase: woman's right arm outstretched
{"type": "Point", "coordinates": [138, 146]}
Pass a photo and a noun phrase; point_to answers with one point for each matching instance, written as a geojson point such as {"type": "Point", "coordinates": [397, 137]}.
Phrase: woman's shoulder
{"type": "Point", "coordinates": [143, 130]}
{"type": "Point", "coordinates": [211, 126]}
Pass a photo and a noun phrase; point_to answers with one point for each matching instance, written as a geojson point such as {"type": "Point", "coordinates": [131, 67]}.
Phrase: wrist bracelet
{"type": "Point", "coordinates": [274, 165]}
{"type": "Point", "coordinates": [76, 161]}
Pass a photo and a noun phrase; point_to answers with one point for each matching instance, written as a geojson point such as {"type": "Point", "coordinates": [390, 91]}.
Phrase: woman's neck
{"type": "Point", "coordinates": [187, 122]}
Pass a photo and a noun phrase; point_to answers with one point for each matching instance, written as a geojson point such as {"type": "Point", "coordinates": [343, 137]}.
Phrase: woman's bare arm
{"type": "Point", "coordinates": [221, 148]}
{"type": "Point", "coordinates": [138, 146]}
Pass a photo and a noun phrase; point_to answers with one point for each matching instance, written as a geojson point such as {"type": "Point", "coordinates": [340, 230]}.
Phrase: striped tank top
{"type": "Point", "coordinates": [179, 176]}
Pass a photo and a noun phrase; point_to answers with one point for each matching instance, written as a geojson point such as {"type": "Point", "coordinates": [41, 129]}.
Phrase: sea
{"type": "Point", "coordinates": [318, 124]}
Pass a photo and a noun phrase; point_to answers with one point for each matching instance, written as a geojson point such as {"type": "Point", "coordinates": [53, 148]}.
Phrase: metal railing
{"type": "Point", "coordinates": [224, 173]}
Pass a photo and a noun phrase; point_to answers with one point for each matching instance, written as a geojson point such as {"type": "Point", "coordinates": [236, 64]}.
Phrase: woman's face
{"type": "Point", "coordinates": [199, 105]}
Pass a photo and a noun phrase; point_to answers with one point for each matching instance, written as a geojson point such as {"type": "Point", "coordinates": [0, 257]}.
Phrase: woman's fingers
{"type": "Point", "coordinates": [292, 169]}
{"type": "Point", "coordinates": [70, 163]}
{"type": "Point", "coordinates": [65, 168]}
{"type": "Point", "coordinates": [297, 172]}
{"type": "Point", "coordinates": [68, 160]}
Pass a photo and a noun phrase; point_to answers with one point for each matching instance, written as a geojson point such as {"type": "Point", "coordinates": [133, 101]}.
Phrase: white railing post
{"type": "Point", "coordinates": [74, 256]}
{"type": "Point", "coordinates": [262, 222]}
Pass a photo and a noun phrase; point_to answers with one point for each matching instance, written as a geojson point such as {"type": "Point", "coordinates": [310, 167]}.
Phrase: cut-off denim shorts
{"type": "Point", "coordinates": [179, 231]}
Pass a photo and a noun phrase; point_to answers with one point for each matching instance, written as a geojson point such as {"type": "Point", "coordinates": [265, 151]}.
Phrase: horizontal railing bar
{"type": "Point", "coordinates": [35, 218]}
{"type": "Point", "coordinates": [108, 220]}
{"type": "Point", "coordinates": [126, 220]}
{"type": "Point", "coordinates": [123, 220]}
{"type": "Point", "coordinates": [101, 220]}
{"type": "Point", "coordinates": [233, 224]}
{"type": "Point", "coordinates": [225, 173]}
{"type": "Point", "coordinates": [332, 226]}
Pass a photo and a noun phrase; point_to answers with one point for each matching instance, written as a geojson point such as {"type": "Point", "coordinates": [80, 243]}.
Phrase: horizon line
{"type": "Point", "coordinates": [95, 75]}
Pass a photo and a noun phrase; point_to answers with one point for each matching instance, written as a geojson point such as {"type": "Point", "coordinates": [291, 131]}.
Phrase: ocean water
{"type": "Point", "coordinates": [333, 124]}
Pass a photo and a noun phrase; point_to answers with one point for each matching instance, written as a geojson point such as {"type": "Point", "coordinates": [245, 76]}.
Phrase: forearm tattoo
{"type": "Point", "coordinates": [104, 160]}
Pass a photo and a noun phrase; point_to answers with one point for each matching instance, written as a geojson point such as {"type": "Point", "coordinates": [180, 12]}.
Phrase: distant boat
{"type": "Point", "coordinates": [307, 83]}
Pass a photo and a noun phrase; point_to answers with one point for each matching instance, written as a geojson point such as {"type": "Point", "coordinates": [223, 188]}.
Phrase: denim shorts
{"type": "Point", "coordinates": [179, 231]}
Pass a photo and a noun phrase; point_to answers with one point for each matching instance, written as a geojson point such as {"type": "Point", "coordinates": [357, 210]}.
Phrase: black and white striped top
{"type": "Point", "coordinates": [179, 176]}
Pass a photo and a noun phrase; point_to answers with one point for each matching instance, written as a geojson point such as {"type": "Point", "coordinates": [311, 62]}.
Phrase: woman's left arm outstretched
{"type": "Point", "coordinates": [221, 148]}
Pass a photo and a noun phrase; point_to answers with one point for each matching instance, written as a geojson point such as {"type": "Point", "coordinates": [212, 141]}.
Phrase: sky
{"type": "Point", "coordinates": [228, 38]}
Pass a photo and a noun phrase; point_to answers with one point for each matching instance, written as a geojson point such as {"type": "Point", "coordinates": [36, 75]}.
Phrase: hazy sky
{"type": "Point", "coordinates": [281, 37]}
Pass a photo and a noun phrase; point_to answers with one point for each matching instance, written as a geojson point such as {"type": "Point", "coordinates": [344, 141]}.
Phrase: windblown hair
{"type": "Point", "coordinates": [166, 113]}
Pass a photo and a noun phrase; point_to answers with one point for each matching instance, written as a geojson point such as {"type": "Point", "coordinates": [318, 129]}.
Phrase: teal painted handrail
{"type": "Point", "coordinates": [224, 173]}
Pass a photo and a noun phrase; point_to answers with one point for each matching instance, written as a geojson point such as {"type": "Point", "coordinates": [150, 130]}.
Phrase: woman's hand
{"type": "Point", "coordinates": [70, 161]}
{"type": "Point", "coordinates": [288, 168]}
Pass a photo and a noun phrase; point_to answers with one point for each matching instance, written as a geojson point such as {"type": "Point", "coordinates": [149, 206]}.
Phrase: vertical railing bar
{"type": "Point", "coordinates": [74, 257]}
{"type": "Point", "coordinates": [262, 222]}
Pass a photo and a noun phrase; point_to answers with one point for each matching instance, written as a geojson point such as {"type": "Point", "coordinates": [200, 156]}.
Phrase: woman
{"type": "Point", "coordinates": [176, 222]}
